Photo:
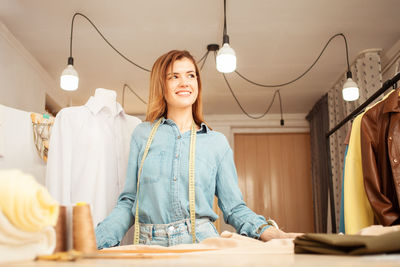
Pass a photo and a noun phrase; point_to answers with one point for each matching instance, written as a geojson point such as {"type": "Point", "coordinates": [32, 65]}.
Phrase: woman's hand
{"type": "Point", "coordinates": [273, 233]}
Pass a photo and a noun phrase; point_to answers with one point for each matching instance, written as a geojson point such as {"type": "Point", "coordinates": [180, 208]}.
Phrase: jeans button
{"type": "Point", "coordinates": [170, 229]}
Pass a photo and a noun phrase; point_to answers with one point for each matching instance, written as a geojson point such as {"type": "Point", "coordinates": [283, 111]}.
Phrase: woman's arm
{"type": "Point", "coordinates": [235, 211]}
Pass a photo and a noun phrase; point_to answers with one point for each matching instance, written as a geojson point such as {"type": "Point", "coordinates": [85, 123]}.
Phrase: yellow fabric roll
{"type": "Point", "coordinates": [357, 209]}
{"type": "Point", "coordinates": [26, 203]}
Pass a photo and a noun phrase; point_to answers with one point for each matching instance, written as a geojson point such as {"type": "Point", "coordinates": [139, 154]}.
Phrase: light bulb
{"type": "Point", "coordinates": [350, 90]}
{"type": "Point", "coordinates": [226, 59]}
{"type": "Point", "coordinates": [69, 77]}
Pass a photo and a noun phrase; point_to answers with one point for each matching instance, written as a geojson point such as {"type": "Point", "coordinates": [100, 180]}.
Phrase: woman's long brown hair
{"type": "Point", "coordinates": [157, 106]}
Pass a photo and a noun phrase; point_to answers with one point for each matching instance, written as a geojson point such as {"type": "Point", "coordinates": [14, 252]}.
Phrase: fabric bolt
{"type": "Point", "coordinates": [26, 203]}
{"type": "Point", "coordinates": [165, 175]}
{"type": "Point", "coordinates": [357, 209]}
{"type": "Point", "coordinates": [18, 151]}
{"type": "Point", "coordinates": [347, 244]}
{"type": "Point", "coordinates": [27, 216]}
{"type": "Point", "coordinates": [88, 156]}
{"type": "Point", "coordinates": [18, 245]}
{"type": "Point", "coordinates": [380, 139]}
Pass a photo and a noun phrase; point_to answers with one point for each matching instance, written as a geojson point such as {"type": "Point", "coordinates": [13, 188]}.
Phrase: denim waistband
{"type": "Point", "coordinates": [169, 229]}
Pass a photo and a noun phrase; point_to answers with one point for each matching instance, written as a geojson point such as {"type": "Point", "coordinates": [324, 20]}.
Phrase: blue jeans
{"type": "Point", "coordinates": [176, 233]}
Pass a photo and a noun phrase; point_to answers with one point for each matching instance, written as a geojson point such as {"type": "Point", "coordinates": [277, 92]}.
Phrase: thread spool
{"type": "Point", "coordinates": [83, 236]}
{"type": "Point", "coordinates": [61, 230]}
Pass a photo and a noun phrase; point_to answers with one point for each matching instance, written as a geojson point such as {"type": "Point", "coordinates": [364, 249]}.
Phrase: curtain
{"type": "Point", "coordinates": [367, 74]}
{"type": "Point", "coordinates": [320, 163]}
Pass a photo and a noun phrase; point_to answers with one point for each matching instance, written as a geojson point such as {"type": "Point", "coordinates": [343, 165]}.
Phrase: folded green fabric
{"type": "Point", "coordinates": [347, 244]}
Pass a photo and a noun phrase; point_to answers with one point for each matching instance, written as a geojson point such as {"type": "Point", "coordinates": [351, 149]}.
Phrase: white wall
{"type": "Point", "coordinates": [23, 81]}
{"type": "Point", "coordinates": [23, 87]}
{"type": "Point", "coordinates": [391, 62]}
{"type": "Point", "coordinates": [239, 123]}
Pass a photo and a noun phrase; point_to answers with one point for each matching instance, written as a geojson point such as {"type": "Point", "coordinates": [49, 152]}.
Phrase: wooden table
{"type": "Point", "coordinates": [221, 260]}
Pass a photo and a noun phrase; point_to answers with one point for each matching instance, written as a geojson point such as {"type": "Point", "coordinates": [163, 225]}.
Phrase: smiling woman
{"type": "Point", "coordinates": [175, 85]}
{"type": "Point", "coordinates": [197, 164]}
{"type": "Point", "coordinates": [182, 88]}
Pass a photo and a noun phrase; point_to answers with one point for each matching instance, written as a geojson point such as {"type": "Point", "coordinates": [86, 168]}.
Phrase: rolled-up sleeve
{"type": "Point", "coordinates": [230, 199]}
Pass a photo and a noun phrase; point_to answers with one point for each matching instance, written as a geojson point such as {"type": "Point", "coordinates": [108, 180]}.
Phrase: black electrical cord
{"type": "Point", "coordinates": [204, 61]}
{"type": "Point", "coordinates": [104, 38]}
{"type": "Point", "coordinates": [312, 65]}
{"type": "Point", "coordinates": [123, 94]}
{"type": "Point", "coordinates": [225, 28]}
{"type": "Point", "coordinates": [244, 111]}
{"type": "Point", "coordinates": [280, 104]}
{"type": "Point", "coordinates": [204, 57]}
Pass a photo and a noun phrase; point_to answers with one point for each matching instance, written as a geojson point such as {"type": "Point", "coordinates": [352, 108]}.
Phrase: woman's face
{"type": "Point", "coordinates": [181, 85]}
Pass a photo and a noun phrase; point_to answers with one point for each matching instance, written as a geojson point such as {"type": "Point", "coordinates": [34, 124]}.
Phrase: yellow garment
{"type": "Point", "coordinates": [357, 209]}
{"type": "Point", "coordinates": [26, 204]}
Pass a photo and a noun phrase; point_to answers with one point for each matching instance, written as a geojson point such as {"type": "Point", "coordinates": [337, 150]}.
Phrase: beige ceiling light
{"type": "Point", "coordinates": [69, 80]}
{"type": "Point", "coordinates": [69, 77]}
{"type": "Point", "coordinates": [350, 90]}
{"type": "Point", "coordinates": [226, 56]}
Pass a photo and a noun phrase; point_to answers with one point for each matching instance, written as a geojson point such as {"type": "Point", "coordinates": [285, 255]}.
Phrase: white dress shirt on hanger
{"type": "Point", "coordinates": [88, 153]}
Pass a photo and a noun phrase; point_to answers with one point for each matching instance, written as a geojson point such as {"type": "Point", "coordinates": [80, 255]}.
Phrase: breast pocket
{"type": "Point", "coordinates": [205, 173]}
{"type": "Point", "coordinates": [153, 167]}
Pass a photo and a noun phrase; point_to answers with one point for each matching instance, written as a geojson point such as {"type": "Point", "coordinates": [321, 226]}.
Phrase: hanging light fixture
{"type": "Point", "coordinates": [350, 90]}
{"type": "Point", "coordinates": [226, 57]}
{"type": "Point", "coordinates": [69, 77]}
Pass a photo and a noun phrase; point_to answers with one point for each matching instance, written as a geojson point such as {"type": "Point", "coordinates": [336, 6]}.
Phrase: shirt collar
{"type": "Point", "coordinates": [95, 107]}
{"type": "Point", "coordinates": [392, 102]}
{"type": "Point", "coordinates": [203, 127]}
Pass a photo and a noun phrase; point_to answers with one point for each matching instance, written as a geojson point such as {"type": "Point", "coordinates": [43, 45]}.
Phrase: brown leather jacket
{"type": "Point", "coordinates": [380, 151]}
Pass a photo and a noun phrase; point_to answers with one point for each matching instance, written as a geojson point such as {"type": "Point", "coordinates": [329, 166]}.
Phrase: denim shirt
{"type": "Point", "coordinates": [164, 193]}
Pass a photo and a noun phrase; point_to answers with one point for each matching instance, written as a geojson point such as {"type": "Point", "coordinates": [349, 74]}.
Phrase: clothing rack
{"type": "Point", "coordinates": [386, 85]}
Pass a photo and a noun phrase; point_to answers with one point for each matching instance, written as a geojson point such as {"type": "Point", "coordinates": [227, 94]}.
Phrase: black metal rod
{"type": "Point", "coordinates": [385, 86]}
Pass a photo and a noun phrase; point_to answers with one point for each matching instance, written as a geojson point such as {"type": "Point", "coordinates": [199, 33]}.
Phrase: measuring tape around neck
{"type": "Point", "coordinates": [192, 198]}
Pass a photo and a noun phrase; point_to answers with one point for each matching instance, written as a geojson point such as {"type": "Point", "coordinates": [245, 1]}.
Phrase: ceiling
{"type": "Point", "coordinates": [275, 41]}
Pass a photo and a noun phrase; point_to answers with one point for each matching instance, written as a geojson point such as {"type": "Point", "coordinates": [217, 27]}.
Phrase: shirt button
{"type": "Point", "coordinates": [179, 137]}
{"type": "Point", "coordinates": [176, 156]}
{"type": "Point", "coordinates": [174, 178]}
{"type": "Point", "coordinates": [395, 160]}
{"type": "Point", "coordinates": [390, 138]}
